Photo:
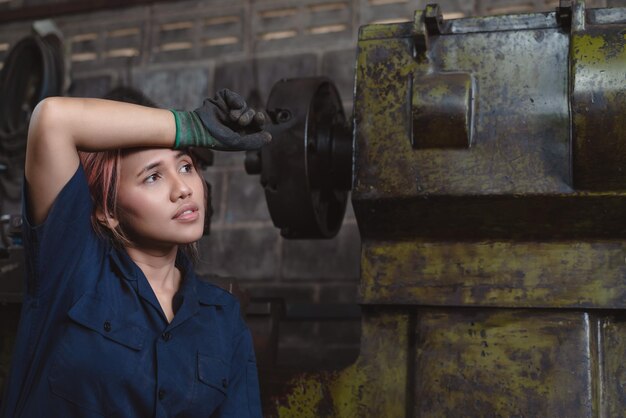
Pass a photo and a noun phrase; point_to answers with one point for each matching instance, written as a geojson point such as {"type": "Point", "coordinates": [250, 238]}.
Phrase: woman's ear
{"type": "Point", "coordinates": [106, 221]}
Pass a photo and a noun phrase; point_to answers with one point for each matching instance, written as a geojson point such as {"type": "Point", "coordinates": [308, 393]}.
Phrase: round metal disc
{"type": "Point", "coordinates": [306, 169]}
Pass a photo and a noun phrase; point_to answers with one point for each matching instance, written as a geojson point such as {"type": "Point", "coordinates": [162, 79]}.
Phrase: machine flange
{"type": "Point", "coordinates": [306, 170]}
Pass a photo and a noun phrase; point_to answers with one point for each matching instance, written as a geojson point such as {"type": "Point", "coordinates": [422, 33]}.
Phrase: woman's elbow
{"type": "Point", "coordinates": [44, 115]}
{"type": "Point", "coordinates": [45, 130]}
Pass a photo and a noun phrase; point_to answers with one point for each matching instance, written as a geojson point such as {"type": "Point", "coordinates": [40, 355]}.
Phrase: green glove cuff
{"type": "Point", "coordinates": [190, 132]}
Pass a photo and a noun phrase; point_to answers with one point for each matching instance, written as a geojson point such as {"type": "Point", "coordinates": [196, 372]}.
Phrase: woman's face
{"type": "Point", "coordinates": [160, 198]}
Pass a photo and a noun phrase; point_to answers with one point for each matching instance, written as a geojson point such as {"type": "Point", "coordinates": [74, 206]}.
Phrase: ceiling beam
{"type": "Point", "coordinates": [45, 11]}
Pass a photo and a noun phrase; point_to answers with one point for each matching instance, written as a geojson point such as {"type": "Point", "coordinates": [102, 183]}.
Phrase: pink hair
{"type": "Point", "coordinates": [103, 170]}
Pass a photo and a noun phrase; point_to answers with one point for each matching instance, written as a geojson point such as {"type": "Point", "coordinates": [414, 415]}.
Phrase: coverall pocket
{"type": "Point", "coordinates": [97, 355]}
{"type": "Point", "coordinates": [213, 372]}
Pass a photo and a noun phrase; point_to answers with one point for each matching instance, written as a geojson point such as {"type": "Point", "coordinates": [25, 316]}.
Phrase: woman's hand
{"type": "Point", "coordinates": [229, 123]}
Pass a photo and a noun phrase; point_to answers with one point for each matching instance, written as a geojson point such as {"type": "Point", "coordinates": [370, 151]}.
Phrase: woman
{"type": "Point", "coordinates": [114, 321]}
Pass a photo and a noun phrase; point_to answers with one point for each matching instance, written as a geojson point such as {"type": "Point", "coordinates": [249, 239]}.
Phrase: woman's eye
{"type": "Point", "coordinates": [151, 178]}
{"type": "Point", "coordinates": [186, 168]}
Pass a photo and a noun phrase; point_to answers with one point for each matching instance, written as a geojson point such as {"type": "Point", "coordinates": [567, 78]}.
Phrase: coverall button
{"type": "Point", "coordinates": [224, 383]}
{"type": "Point", "coordinates": [161, 394]}
{"type": "Point", "coordinates": [107, 326]}
{"type": "Point", "coordinates": [166, 336]}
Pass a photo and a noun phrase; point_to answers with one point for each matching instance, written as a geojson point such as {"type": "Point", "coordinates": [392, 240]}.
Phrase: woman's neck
{"type": "Point", "coordinates": [159, 267]}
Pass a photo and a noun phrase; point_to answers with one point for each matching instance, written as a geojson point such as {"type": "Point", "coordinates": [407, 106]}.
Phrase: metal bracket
{"type": "Point", "coordinates": [433, 19]}
{"type": "Point", "coordinates": [564, 14]}
{"type": "Point", "coordinates": [427, 24]}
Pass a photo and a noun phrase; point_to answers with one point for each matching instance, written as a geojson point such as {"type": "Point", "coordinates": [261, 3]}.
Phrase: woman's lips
{"type": "Point", "coordinates": [187, 213]}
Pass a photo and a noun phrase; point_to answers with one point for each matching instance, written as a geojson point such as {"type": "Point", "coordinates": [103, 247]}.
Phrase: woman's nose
{"type": "Point", "coordinates": [181, 190]}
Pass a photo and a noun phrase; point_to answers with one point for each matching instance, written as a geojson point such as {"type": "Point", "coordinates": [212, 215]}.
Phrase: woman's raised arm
{"type": "Point", "coordinates": [61, 126]}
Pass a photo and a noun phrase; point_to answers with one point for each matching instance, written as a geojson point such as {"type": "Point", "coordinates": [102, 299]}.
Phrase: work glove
{"type": "Point", "coordinates": [224, 123]}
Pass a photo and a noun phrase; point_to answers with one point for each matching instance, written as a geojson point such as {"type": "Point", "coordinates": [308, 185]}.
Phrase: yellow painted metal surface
{"type": "Point", "coordinates": [374, 386]}
{"type": "Point", "coordinates": [598, 62]}
{"type": "Point", "coordinates": [518, 125]}
{"type": "Point", "coordinates": [503, 363]}
{"type": "Point", "coordinates": [496, 274]}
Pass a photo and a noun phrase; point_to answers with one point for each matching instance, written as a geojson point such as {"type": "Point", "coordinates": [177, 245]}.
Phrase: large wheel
{"type": "Point", "coordinates": [306, 170]}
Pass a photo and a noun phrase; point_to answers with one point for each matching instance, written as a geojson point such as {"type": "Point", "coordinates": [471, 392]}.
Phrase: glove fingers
{"type": "Point", "coordinates": [218, 102]}
{"type": "Point", "coordinates": [259, 120]}
{"type": "Point", "coordinates": [225, 116]}
{"type": "Point", "coordinates": [243, 119]}
{"type": "Point", "coordinates": [235, 114]}
{"type": "Point", "coordinates": [217, 129]}
{"type": "Point", "coordinates": [232, 99]}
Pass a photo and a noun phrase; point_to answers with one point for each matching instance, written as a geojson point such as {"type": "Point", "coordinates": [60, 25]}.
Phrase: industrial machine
{"type": "Point", "coordinates": [487, 159]}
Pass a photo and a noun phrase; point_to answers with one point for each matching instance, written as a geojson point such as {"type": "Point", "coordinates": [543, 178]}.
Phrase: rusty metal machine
{"type": "Point", "coordinates": [488, 161]}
